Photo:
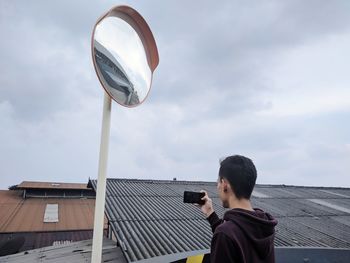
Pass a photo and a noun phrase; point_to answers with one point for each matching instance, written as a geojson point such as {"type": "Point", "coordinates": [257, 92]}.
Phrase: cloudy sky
{"type": "Point", "coordinates": [266, 79]}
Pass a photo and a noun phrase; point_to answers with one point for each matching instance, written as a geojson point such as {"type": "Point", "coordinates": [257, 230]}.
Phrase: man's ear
{"type": "Point", "coordinates": [225, 185]}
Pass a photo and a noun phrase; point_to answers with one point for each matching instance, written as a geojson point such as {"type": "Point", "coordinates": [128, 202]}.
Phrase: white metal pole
{"type": "Point", "coordinates": [101, 183]}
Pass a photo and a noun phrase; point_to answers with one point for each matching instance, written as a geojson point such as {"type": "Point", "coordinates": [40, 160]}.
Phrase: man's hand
{"type": "Point", "coordinates": [207, 208]}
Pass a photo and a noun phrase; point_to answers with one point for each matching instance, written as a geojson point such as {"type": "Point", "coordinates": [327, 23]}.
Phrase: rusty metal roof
{"type": "Point", "coordinates": [26, 215]}
{"type": "Point", "coordinates": [51, 185]}
{"type": "Point", "coordinates": [149, 218]}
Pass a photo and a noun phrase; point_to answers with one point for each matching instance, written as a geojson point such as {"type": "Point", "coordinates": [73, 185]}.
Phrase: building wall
{"type": "Point", "coordinates": [24, 217]}
{"type": "Point", "coordinates": [43, 239]}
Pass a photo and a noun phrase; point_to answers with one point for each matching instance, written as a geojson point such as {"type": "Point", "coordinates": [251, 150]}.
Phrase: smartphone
{"type": "Point", "coordinates": [194, 197]}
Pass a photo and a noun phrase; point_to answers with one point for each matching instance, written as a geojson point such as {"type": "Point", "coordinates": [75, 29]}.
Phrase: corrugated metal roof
{"type": "Point", "coordinates": [150, 219]}
{"type": "Point", "coordinates": [27, 215]}
{"type": "Point", "coordinates": [51, 185]}
{"type": "Point", "coordinates": [74, 252]}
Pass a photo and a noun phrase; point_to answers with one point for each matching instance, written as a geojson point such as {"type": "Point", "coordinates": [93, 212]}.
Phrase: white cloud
{"type": "Point", "coordinates": [275, 90]}
{"type": "Point", "coordinates": [311, 78]}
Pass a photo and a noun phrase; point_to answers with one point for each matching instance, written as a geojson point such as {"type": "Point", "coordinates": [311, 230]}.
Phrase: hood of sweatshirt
{"type": "Point", "coordinates": [258, 226]}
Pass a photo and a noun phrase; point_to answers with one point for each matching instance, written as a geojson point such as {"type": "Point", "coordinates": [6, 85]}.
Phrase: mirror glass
{"type": "Point", "coordinates": [121, 61]}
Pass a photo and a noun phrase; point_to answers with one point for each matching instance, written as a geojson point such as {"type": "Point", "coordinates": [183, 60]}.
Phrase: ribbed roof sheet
{"type": "Point", "coordinates": [75, 252]}
{"type": "Point", "coordinates": [150, 219]}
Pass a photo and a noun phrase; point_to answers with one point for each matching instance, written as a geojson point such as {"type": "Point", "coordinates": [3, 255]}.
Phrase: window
{"type": "Point", "coordinates": [51, 213]}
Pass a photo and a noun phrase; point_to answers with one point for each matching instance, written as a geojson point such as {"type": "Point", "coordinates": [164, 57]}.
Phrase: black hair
{"type": "Point", "coordinates": [241, 173]}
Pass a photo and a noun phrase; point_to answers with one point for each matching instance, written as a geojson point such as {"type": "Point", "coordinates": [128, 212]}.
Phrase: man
{"type": "Point", "coordinates": [245, 234]}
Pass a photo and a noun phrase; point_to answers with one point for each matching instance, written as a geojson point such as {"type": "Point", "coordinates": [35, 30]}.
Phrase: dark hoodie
{"type": "Point", "coordinates": [242, 236]}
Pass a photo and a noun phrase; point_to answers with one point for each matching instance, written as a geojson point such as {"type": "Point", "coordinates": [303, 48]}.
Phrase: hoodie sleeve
{"type": "Point", "coordinates": [214, 221]}
{"type": "Point", "coordinates": [223, 249]}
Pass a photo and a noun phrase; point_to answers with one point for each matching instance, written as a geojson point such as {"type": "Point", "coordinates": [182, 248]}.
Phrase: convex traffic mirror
{"type": "Point", "coordinates": [124, 55]}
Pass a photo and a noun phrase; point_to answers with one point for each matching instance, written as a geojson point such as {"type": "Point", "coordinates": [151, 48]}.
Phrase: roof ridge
{"type": "Point", "coordinates": [187, 182]}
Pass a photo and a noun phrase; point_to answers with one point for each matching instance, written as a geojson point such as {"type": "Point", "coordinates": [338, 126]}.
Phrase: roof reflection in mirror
{"type": "Point", "coordinates": [121, 62]}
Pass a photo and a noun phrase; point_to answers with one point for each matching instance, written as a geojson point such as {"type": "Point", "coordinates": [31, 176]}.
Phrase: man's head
{"type": "Point", "coordinates": [237, 176]}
